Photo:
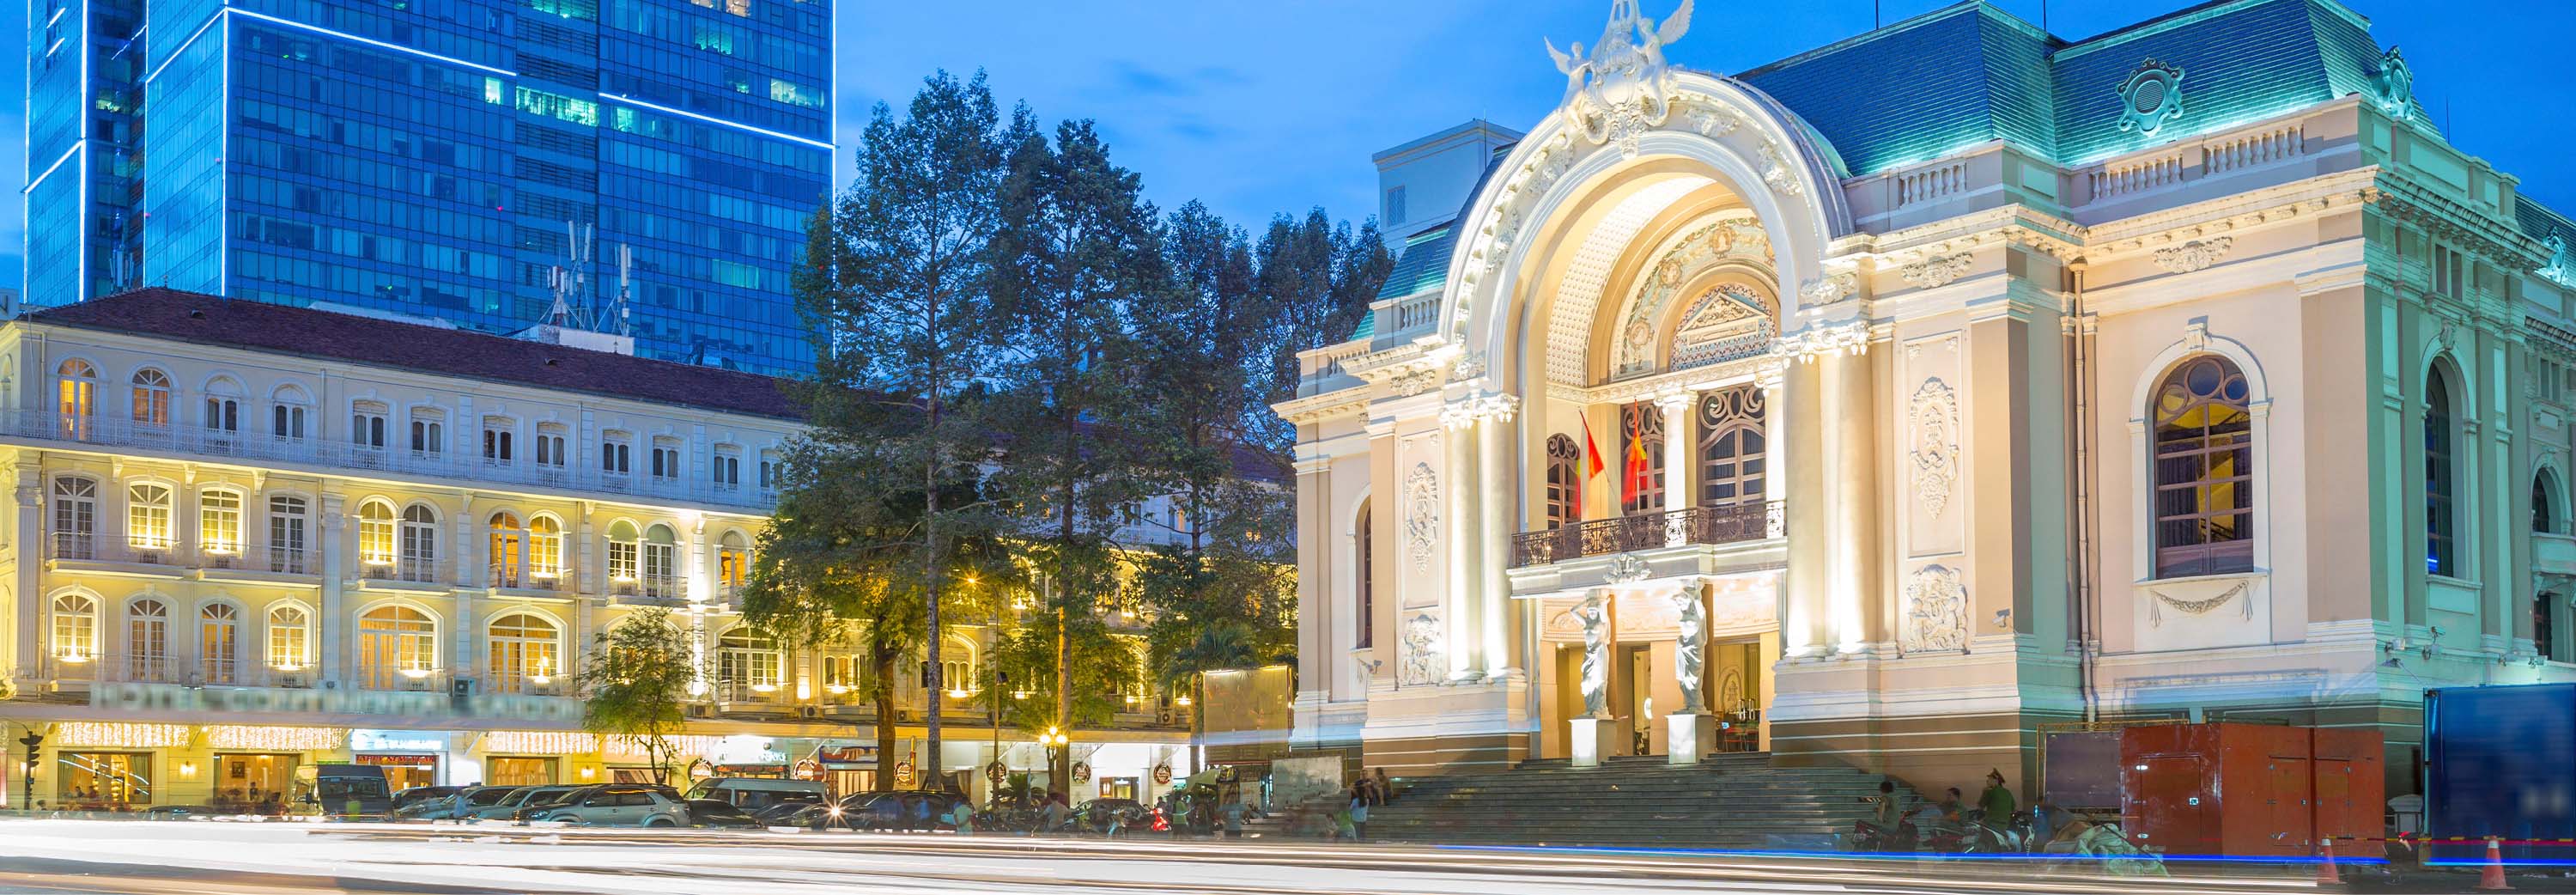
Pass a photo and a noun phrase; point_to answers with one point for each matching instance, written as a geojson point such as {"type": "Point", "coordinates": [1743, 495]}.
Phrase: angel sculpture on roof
{"type": "Point", "coordinates": [1622, 87]}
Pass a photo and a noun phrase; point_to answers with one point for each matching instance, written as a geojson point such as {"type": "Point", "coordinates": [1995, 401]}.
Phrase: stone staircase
{"type": "Point", "coordinates": [1735, 801]}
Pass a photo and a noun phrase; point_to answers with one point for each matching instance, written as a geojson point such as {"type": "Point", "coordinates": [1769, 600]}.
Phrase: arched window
{"type": "Point", "coordinates": [661, 562]}
{"type": "Point", "coordinates": [75, 629]}
{"type": "Point", "coordinates": [218, 643]}
{"type": "Point", "coordinates": [1732, 463]}
{"type": "Point", "coordinates": [508, 550]}
{"type": "Point", "coordinates": [290, 645]}
{"type": "Point", "coordinates": [1564, 481]}
{"type": "Point", "coordinates": [219, 523]}
{"type": "Point", "coordinates": [2441, 527]}
{"type": "Point", "coordinates": [396, 645]}
{"type": "Point", "coordinates": [376, 537]}
{"type": "Point", "coordinates": [545, 549]}
{"type": "Point", "coordinates": [622, 549]}
{"type": "Point", "coordinates": [147, 520]}
{"type": "Point", "coordinates": [1641, 444]}
{"type": "Point", "coordinates": [527, 651]}
{"type": "Point", "coordinates": [419, 561]}
{"type": "Point", "coordinates": [2544, 503]}
{"type": "Point", "coordinates": [75, 518]}
{"type": "Point", "coordinates": [75, 392]}
{"type": "Point", "coordinates": [1364, 585]}
{"type": "Point", "coordinates": [747, 663]}
{"type": "Point", "coordinates": [286, 531]}
{"type": "Point", "coordinates": [147, 640]}
{"type": "Point", "coordinates": [733, 563]}
{"type": "Point", "coordinates": [151, 398]}
{"type": "Point", "coordinates": [222, 417]}
{"type": "Point", "coordinates": [2204, 500]}
{"type": "Point", "coordinates": [289, 414]}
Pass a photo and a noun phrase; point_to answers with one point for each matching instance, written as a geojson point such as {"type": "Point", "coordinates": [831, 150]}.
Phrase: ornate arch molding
{"type": "Point", "coordinates": [1727, 131]}
{"type": "Point", "coordinates": [2197, 340]}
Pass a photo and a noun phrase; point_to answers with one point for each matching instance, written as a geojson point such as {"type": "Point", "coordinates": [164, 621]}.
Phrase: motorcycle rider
{"type": "Point", "coordinates": [1886, 823]}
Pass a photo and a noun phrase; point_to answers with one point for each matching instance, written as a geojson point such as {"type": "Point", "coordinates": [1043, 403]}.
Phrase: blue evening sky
{"type": "Point", "coordinates": [1263, 107]}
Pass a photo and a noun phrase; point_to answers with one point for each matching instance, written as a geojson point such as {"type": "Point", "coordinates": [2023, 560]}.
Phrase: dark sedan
{"type": "Point", "coordinates": [720, 814]}
{"type": "Point", "coordinates": [896, 811]}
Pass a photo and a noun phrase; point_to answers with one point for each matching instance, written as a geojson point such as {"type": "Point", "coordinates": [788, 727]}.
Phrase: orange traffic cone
{"type": "Point", "coordinates": [2327, 875]}
{"type": "Point", "coordinates": [2492, 878]}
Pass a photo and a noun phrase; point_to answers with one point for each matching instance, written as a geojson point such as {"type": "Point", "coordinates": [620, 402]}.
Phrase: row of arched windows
{"type": "Point", "coordinates": [400, 544]}
{"type": "Point", "coordinates": [396, 643]}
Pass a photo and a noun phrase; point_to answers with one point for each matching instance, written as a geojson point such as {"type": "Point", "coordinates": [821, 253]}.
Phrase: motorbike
{"type": "Point", "coordinates": [1869, 837]}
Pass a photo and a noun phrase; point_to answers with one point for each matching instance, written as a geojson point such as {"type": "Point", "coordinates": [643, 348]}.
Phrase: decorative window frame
{"type": "Point", "coordinates": [2197, 340]}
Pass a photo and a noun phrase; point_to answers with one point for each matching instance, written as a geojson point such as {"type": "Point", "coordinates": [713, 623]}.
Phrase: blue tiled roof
{"type": "Point", "coordinates": [2538, 222]}
{"type": "Point", "coordinates": [1424, 263]}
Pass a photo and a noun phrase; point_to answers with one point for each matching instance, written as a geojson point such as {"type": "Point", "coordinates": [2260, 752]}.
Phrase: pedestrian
{"type": "Point", "coordinates": [1996, 802]}
{"type": "Point", "coordinates": [1359, 814]}
{"type": "Point", "coordinates": [962, 818]}
{"type": "Point", "coordinates": [1385, 788]}
{"type": "Point", "coordinates": [1056, 812]}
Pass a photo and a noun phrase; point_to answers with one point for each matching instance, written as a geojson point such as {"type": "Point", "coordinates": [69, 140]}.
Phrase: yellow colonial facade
{"type": "Point", "coordinates": [2214, 403]}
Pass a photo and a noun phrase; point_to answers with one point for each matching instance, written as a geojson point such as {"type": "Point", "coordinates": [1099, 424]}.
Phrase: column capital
{"type": "Point", "coordinates": [1819, 340]}
{"type": "Point", "coordinates": [1497, 407]}
{"type": "Point", "coordinates": [1675, 401]}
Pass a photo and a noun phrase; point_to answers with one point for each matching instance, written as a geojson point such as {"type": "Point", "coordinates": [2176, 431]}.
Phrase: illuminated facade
{"type": "Point", "coordinates": [439, 159]}
{"type": "Point", "coordinates": [250, 536]}
{"type": "Point", "coordinates": [1951, 384]}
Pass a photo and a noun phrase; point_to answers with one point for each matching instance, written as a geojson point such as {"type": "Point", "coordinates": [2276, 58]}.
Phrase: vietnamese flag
{"type": "Point", "coordinates": [1591, 462]}
{"type": "Point", "coordinates": [1639, 472]}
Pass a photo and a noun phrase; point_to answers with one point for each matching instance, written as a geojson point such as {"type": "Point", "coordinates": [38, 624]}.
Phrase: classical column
{"type": "Point", "coordinates": [1679, 473]}
{"type": "Point", "coordinates": [1848, 387]}
{"type": "Point", "coordinates": [1457, 531]}
{"type": "Point", "coordinates": [331, 622]}
{"type": "Point", "coordinates": [1777, 459]}
{"type": "Point", "coordinates": [1500, 475]}
{"type": "Point", "coordinates": [26, 651]}
{"type": "Point", "coordinates": [1806, 628]}
{"type": "Point", "coordinates": [1318, 602]}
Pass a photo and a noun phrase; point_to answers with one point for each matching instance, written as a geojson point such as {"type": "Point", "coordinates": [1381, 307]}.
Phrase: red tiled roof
{"type": "Point", "coordinates": [258, 326]}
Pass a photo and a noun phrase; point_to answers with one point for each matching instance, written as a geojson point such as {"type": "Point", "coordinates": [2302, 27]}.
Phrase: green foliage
{"type": "Point", "coordinates": [1107, 667]}
{"type": "Point", "coordinates": [637, 679]}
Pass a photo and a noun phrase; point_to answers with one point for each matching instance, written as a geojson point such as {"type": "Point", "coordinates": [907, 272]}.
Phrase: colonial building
{"type": "Point", "coordinates": [1947, 386]}
{"type": "Point", "coordinates": [251, 536]}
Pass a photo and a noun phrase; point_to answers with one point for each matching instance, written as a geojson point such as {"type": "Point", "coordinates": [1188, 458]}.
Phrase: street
{"type": "Point", "coordinates": [63, 856]}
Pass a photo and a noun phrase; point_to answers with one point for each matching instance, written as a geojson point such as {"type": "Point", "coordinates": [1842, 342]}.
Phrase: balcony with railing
{"type": "Point", "coordinates": [466, 467]}
{"type": "Point", "coordinates": [1728, 524]}
{"type": "Point", "coordinates": [88, 547]}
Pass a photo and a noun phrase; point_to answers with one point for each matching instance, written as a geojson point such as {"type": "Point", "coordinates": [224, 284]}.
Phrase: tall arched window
{"type": "Point", "coordinates": [527, 650]}
{"type": "Point", "coordinates": [747, 663]}
{"type": "Point", "coordinates": [219, 643]}
{"type": "Point", "coordinates": [147, 640]}
{"type": "Point", "coordinates": [75, 392]}
{"type": "Point", "coordinates": [376, 537]}
{"type": "Point", "coordinates": [1641, 441]}
{"type": "Point", "coordinates": [290, 645]}
{"type": "Point", "coordinates": [419, 560]}
{"type": "Point", "coordinates": [1364, 584]}
{"type": "Point", "coordinates": [1732, 463]}
{"type": "Point", "coordinates": [151, 398]}
{"type": "Point", "coordinates": [75, 518]}
{"type": "Point", "coordinates": [2204, 501]}
{"type": "Point", "coordinates": [2544, 502]}
{"type": "Point", "coordinates": [147, 520]}
{"type": "Point", "coordinates": [661, 562]}
{"type": "Point", "coordinates": [396, 645]}
{"type": "Point", "coordinates": [733, 563]}
{"type": "Point", "coordinates": [508, 550]}
{"type": "Point", "coordinates": [2441, 527]}
{"type": "Point", "coordinates": [75, 629]}
{"type": "Point", "coordinates": [545, 550]}
{"type": "Point", "coordinates": [622, 548]}
{"type": "Point", "coordinates": [1564, 482]}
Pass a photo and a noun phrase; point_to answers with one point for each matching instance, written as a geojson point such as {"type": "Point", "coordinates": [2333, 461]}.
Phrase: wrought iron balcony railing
{"type": "Point", "coordinates": [1647, 531]}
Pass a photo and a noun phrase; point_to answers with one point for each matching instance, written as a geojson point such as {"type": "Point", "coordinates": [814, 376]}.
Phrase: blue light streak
{"type": "Point", "coordinates": [628, 100]}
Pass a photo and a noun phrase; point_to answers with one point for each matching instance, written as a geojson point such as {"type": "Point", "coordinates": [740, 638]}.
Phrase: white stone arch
{"type": "Point", "coordinates": [2548, 468]}
{"type": "Point", "coordinates": [312, 635]}
{"type": "Point", "coordinates": [2198, 341]}
{"type": "Point", "coordinates": [99, 620]}
{"type": "Point", "coordinates": [563, 627]}
{"type": "Point", "coordinates": [1772, 161]}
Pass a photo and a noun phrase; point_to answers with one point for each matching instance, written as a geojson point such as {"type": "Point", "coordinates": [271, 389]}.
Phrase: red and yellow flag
{"type": "Point", "coordinates": [1640, 472]}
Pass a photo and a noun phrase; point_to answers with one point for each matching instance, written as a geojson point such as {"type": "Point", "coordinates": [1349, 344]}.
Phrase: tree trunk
{"type": "Point", "coordinates": [884, 687]}
{"type": "Point", "coordinates": [1060, 769]}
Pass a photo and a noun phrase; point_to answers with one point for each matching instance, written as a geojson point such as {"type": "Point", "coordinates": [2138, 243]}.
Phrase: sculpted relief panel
{"type": "Point", "coordinates": [1421, 515]}
{"type": "Point", "coordinates": [1426, 656]}
{"type": "Point", "coordinates": [1936, 612]}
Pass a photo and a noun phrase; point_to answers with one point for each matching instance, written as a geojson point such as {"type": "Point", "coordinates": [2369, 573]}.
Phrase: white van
{"type": "Point", "coordinates": [756, 794]}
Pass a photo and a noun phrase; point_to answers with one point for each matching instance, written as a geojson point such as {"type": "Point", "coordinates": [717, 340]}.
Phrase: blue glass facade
{"type": "Point", "coordinates": [437, 159]}
{"type": "Point", "coordinates": [83, 70]}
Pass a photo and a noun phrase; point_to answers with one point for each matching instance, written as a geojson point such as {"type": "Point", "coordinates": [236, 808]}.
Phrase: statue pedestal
{"type": "Point", "coordinates": [1591, 740]}
{"type": "Point", "coordinates": [1688, 737]}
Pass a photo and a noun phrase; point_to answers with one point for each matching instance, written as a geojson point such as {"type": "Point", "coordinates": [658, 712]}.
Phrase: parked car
{"type": "Point", "coordinates": [756, 794]}
{"type": "Point", "coordinates": [616, 805]}
{"type": "Point", "coordinates": [783, 812]}
{"type": "Point", "coordinates": [527, 797]}
{"type": "Point", "coordinates": [893, 811]}
{"type": "Point", "coordinates": [464, 803]}
{"type": "Point", "coordinates": [720, 814]}
{"type": "Point", "coordinates": [418, 794]}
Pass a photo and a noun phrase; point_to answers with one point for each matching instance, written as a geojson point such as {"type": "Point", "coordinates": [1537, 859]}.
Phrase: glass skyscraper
{"type": "Point", "coordinates": [439, 157]}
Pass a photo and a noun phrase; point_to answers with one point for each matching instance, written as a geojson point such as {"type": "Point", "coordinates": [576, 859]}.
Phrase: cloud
{"type": "Point", "coordinates": [1137, 79]}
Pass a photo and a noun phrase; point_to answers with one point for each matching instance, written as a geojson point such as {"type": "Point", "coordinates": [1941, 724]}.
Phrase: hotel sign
{"type": "Point", "coordinates": [279, 700]}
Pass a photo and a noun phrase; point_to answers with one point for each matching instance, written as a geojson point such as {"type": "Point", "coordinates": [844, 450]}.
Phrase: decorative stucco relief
{"type": "Point", "coordinates": [1422, 514]}
{"type": "Point", "coordinates": [1935, 410]}
{"type": "Point", "coordinates": [1936, 612]}
{"type": "Point", "coordinates": [1738, 237]}
{"type": "Point", "coordinates": [1622, 88]}
{"type": "Point", "coordinates": [1779, 174]}
{"type": "Point", "coordinates": [2203, 606]}
{"type": "Point", "coordinates": [1939, 270]}
{"type": "Point", "coordinates": [1426, 656]}
{"type": "Point", "coordinates": [2194, 255]}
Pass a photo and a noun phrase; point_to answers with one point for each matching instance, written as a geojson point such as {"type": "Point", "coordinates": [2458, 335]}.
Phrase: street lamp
{"type": "Point", "coordinates": [1054, 740]}
{"type": "Point", "coordinates": [32, 741]}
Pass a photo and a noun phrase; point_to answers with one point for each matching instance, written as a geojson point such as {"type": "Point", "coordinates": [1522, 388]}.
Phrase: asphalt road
{"type": "Point", "coordinates": [61, 856]}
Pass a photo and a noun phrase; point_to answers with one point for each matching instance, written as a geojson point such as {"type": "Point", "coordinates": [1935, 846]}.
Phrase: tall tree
{"type": "Point", "coordinates": [1075, 244]}
{"type": "Point", "coordinates": [897, 291]}
{"type": "Point", "coordinates": [636, 680]}
{"type": "Point", "coordinates": [1316, 281]}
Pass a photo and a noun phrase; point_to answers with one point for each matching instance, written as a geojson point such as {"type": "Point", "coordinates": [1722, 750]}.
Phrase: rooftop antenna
{"type": "Point", "coordinates": [571, 280]}
{"type": "Point", "coordinates": [617, 320]}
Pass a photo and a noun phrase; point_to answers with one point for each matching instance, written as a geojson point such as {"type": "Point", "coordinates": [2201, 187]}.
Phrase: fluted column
{"type": "Point", "coordinates": [1498, 485]}
{"type": "Point", "coordinates": [1847, 383]}
{"type": "Point", "coordinates": [1458, 510]}
{"type": "Point", "coordinates": [1797, 414]}
{"type": "Point", "coordinates": [1676, 408]}
{"type": "Point", "coordinates": [331, 623]}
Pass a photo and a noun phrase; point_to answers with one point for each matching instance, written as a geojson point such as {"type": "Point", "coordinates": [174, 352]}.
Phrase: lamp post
{"type": "Point", "coordinates": [32, 741]}
{"type": "Point", "coordinates": [1055, 739]}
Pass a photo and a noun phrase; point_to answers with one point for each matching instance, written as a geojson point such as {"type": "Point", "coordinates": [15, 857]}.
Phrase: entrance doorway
{"type": "Point", "coordinates": [1638, 710]}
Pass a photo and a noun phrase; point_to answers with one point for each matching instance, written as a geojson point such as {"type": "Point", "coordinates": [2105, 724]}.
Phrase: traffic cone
{"type": "Point", "coordinates": [2327, 875]}
{"type": "Point", "coordinates": [2492, 878]}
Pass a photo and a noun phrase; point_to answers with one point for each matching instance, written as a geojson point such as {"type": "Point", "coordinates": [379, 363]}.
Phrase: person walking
{"type": "Point", "coordinates": [1359, 812]}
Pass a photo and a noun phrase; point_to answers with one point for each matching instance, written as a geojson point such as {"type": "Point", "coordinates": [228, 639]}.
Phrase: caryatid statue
{"type": "Point", "coordinates": [1690, 649]}
{"type": "Point", "coordinates": [1595, 616]}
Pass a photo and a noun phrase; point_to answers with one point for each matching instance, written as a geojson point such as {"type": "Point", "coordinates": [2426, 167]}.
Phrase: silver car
{"type": "Point", "coordinates": [616, 805]}
{"type": "Point", "coordinates": [526, 798]}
